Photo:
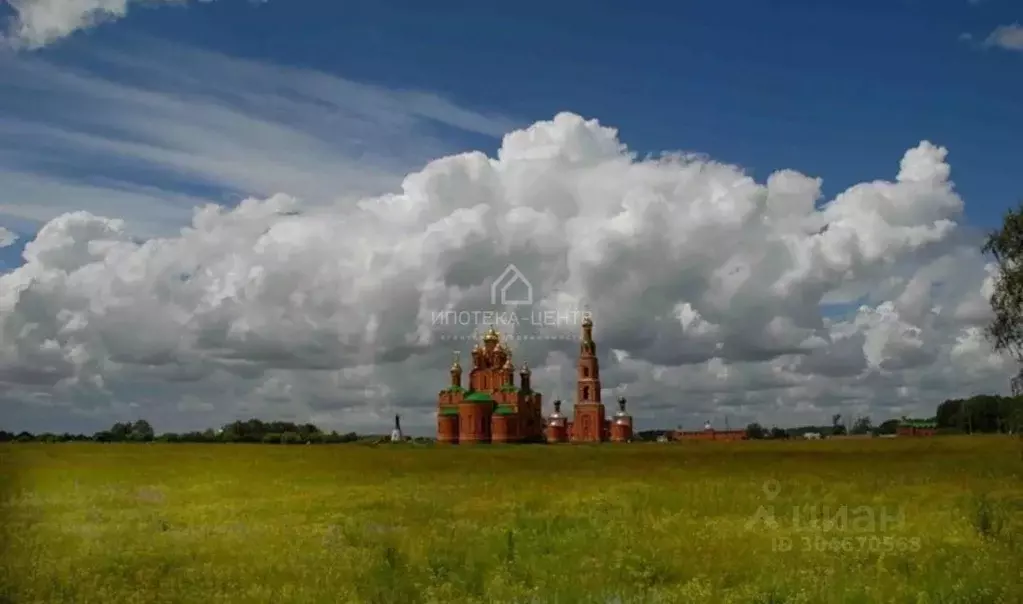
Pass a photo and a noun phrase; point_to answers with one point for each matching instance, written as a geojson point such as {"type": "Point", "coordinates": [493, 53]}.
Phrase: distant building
{"type": "Point", "coordinates": [709, 433]}
{"type": "Point", "coordinates": [812, 435]}
{"type": "Point", "coordinates": [917, 427]}
{"type": "Point", "coordinates": [494, 409]}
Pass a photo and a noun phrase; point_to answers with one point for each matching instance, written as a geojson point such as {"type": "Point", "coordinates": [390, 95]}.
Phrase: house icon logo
{"type": "Point", "coordinates": [511, 276]}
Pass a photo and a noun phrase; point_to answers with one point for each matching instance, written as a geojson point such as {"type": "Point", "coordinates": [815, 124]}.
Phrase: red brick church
{"type": "Point", "coordinates": [494, 409]}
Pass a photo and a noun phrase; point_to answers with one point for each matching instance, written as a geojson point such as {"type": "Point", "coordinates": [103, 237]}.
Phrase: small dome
{"type": "Point", "coordinates": [587, 321]}
{"type": "Point", "coordinates": [525, 369]}
{"type": "Point", "coordinates": [491, 335]}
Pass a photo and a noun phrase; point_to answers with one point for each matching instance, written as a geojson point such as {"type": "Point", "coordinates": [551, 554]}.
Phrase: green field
{"type": "Point", "coordinates": [913, 520]}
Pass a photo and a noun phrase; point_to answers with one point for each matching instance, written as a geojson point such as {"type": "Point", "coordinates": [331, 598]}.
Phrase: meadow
{"type": "Point", "coordinates": [881, 520]}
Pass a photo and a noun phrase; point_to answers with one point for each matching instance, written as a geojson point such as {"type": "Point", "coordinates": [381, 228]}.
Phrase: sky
{"type": "Point", "coordinates": [216, 210]}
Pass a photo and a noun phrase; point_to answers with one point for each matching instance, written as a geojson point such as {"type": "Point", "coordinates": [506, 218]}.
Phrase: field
{"type": "Point", "coordinates": [880, 520]}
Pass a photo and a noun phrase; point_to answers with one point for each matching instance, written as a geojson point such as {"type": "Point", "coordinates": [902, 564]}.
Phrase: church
{"type": "Point", "coordinates": [493, 409]}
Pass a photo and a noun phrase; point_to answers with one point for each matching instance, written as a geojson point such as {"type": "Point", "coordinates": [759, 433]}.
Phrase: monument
{"type": "Point", "coordinates": [396, 436]}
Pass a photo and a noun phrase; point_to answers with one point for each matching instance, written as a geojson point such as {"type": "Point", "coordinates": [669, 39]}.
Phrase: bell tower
{"type": "Point", "coordinates": [589, 422]}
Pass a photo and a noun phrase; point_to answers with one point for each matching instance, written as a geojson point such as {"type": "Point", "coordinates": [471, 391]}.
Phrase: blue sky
{"type": "Point", "coordinates": [833, 89]}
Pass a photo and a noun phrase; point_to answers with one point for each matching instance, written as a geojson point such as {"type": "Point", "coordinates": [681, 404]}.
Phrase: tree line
{"type": "Point", "coordinates": [983, 413]}
{"type": "Point", "coordinates": [248, 431]}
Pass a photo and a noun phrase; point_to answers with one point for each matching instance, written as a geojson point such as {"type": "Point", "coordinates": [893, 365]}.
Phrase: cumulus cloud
{"type": "Point", "coordinates": [39, 23]}
{"type": "Point", "coordinates": [706, 286]}
{"type": "Point", "coordinates": [7, 237]}
{"type": "Point", "coordinates": [1007, 37]}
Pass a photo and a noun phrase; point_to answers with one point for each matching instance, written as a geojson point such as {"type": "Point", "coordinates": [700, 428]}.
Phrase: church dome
{"type": "Point", "coordinates": [491, 335]}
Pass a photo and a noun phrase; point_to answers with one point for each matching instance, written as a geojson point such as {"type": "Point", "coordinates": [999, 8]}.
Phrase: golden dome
{"type": "Point", "coordinates": [525, 369]}
{"type": "Point", "coordinates": [455, 365]}
{"type": "Point", "coordinates": [491, 335]}
{"type": "Point", "coordinates": [587, 321]}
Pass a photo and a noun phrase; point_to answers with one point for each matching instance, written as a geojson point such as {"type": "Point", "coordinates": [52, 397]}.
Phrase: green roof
{"type": "Point", "coordinates": [454, 389]}
{"type": "Point", "coordinates": [449, 410]}
{"type": "Point", "coordinates": [919, 423]}
{"type": "Point", "coordinates": [505, 410]}
{"type": "Point", "coordinates": [479, 397]}
{"type": "Point", "coordinates": [509, 388]}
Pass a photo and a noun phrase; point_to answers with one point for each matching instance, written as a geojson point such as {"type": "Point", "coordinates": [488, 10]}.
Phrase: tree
{"type": "Point", "coordinates": [889, 426]}
{"type": "Point", "coordinates": [755, 431]}
{"type": "Point", "coordinates": [141, 430]}
{"type": "Point", "coordinates": [837, 429]}
{"type": "Point", "coordinates": [119, 431]}
{"type": "Point", "coordinates": [1006, 245]}
{"type": "Point", "coordinates": [862, 425]}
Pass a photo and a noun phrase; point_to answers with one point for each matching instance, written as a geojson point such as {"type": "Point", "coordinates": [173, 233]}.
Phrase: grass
{"type": "Point", "coordinates": [883, 520]}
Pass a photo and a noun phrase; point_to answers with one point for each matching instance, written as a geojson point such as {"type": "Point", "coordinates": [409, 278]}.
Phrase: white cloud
{"type": "Point", "coordinates": [705, 284]}
{"type": "Point", "coordinates": [7, 237]}
{"type": "Point", "coordinates": [39, 23]}
{"type": "Point", "coordinates": [1007, 37]}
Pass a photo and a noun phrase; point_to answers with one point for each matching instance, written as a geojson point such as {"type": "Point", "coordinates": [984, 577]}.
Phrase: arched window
{"type": "Point", "coordinates": [586, 372]}
{"type": "Point", "coordinates": [586, 393]}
